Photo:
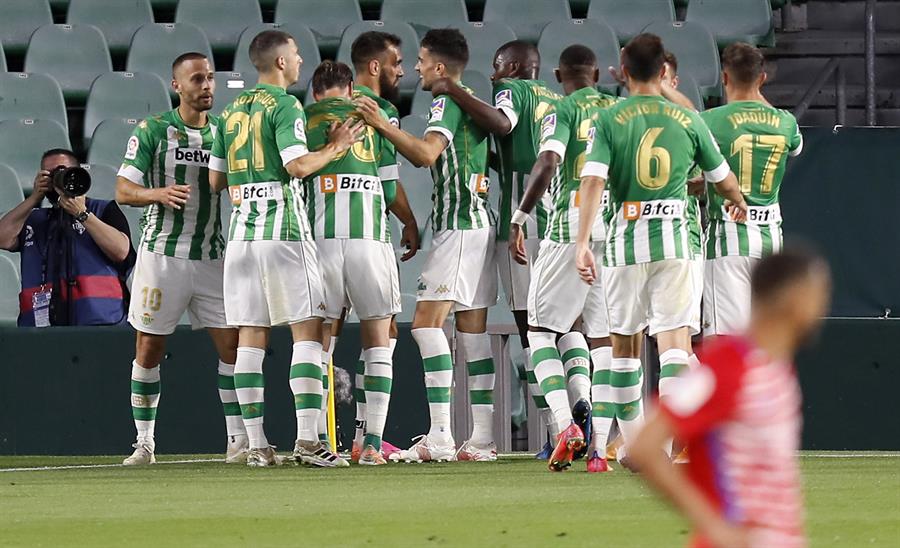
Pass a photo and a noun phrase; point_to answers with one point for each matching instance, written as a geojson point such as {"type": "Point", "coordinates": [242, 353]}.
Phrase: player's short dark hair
{"type": "Point", "coordinates": [643, 57]}
{"type": "Point", "coordinates": [329, 75]}
{"type": "Point", "coordinates": [775, 272]}
{"type": "Point", "coordinates": [743, 62]}
{"type": "Point", "coordinates": [185, 57]}
{"type": "Point", "coordinates": [59, 152]}
{"type": "Point", "coordinates": [577, 57]}
{"type": "Point", "coordinates": [448, 45]}
{"type": "Point", "coordinates": [262, 46]}
{"type": "Point", "coordinates": [370, 45]}
{"type": "Point", "coordinates": [671, 60]}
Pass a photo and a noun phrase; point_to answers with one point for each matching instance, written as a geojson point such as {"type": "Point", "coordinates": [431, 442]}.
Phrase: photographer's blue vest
{"type": "Point", "coordinates": [94, 283]}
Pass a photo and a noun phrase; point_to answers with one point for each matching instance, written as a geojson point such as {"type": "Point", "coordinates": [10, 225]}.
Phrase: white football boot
{"type": "Point", "coordinates": [424, 450]}
{"type": "Point", "coordinates": [477, 453]}
{"type": "Point", "coordinates": [142, 456]}
{"type": "Point", "coordinates": [262, 457]}
{"type": "Point", "coordinates": [317, 454]}
{"type": "Point", "coordinates": [237, 450]}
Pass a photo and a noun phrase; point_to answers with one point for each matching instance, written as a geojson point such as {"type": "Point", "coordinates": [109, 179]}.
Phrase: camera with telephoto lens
{"type": "Point", "coordinates": [71, 181]}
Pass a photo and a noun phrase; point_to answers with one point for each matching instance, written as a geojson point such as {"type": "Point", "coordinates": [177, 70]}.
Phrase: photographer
{"type": "Point", "coordinates": [76, 255]}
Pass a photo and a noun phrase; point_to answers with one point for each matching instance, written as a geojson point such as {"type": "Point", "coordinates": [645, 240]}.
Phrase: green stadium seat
{"type": "Point", "coordinates": [327, 18]}
{"type": "Point", "coordinates": [688, 86]}
{"type": "Point", "coordinates": [103, 181]}
{"type": "Point", "coordinates": [20, 19]}
{"type": "Point", "coordinates": [74, 54]}
{"type": "Point", "coordinates": [109, 139]}
{"type": "Point", "coordinates": [484, 39]}
{"type": "Point", "coordinates": [409, 48]}
{"type": "Point", "coordinates": [22, 142]}
{"type": "Point", "coordinates": [306, 43]}
{"type": "Point", "coordinates": [134, 216]}
{"type": "Point", "coordinates": [735, 20]}
{"type": "Point", "coordinates": [24, 95]}
{"type": "Point", "coordinates": [480, 84]}
{"type": "Point", "coordinates": [528, 20]}
{"type": "Point", "coordinates": [426, 14]}
{"type": "Point", "coordinates": [593, 33]}
{"type": "Point", "coordinates": [696, 50]}
{"type": "Point", "coordinates": [11, 193]}
{"type": "Point", "coordinates": [629, 18]}
{"type": "Point", "coordinates": [155, 45]}
{"type": "Point", "coordinates": [221, 20]}
{"type": "Point", "coordinates": [10, 286]}
{"type": "Point", "coordinates": [228, 86]}
{"type": "Point", "coordinates": [116, 20]}
{"type": "Point", "coordinates": [124, 95]}
{"type": "Point", "coordinates": [2, 60]}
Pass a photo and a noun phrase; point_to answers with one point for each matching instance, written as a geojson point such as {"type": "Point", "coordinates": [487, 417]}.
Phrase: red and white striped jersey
{"type": "Point", "coordinates": [740, 415]}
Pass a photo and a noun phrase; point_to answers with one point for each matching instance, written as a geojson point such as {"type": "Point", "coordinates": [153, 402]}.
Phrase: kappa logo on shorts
{"type": "Point", "coordinates": [442, 289]}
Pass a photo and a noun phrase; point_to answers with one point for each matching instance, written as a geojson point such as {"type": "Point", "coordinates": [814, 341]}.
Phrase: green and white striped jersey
{"type": "Point", "coordinates": [346, 198]}
{"type": "Point", "coordinates": [460, 172]}
{"type": "Point", "coordinates": [755, 138]}
{"type": "Point", "coordinates": [388, 107]}
{"type": "Point", "coordinates": [263, 130]}
{"type": "Point", "coordinates": [692, 212]}
{"type": "Point", "coordinates": [164, 151]}
{"type": "Point", "coordinates": [644, 146]}
{"type": "Point", "coordinates": [567, 129]}
{"type": "Point", "coordinates": [524, 102]}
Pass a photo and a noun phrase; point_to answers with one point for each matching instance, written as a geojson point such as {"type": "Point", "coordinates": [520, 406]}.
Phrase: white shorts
{"type": "Point", "coordinates": [697, 266]}
{"type": "Point", "coordinates": [513, 276]}
{"type": "Point", "coordinates": [557, 296]}
{"type": "Point", "coordinates": [726, 295]}
{"type": "Point", "coordinates": [460, 268]}
{"type": "Point", "coordinates": [270, 283]}
{"type": "Point", "coordinates": [659, 294]}
{"type": "Point", "coordinates": [163, 288]}
{"type": "Point", "coordinates": [359, 273]}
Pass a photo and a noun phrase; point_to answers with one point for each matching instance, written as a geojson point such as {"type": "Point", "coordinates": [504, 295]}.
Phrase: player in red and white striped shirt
{"type": "Point", "coordinates": [741, 403]}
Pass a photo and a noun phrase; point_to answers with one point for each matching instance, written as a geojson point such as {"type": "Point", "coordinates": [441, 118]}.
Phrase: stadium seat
{"type": "Point", "coordinates": [688, 86]}
{"type": "Point", "coordinates": [596, 34]}
{"type": "Point", "coordinates": [696, 50]}
{"type": "Point", "coordinates": [116, 20]}
{"type": "Point", "coordinates": [11, 193]}
{"type": "Point", "coordinates": [228, 86]}
{"type": "Point", "coordinates": [124, 95]}
{"type": "Point", "coordinates": [484, 39]}
{"type": "Point", "coordinates": [409, 48]}
{"type": "Point", "coordinates": [327, 18]}
{"type": "Point", "coordinates": [426, 14]}
{"type": "Point", "coordinates": [10, 286]}
{"type": "Point", "coordinates": [479, 83]}
{"type": "Point", "coordinates": [19, 21]}
{"type": "Point", "coordinates": [735, 20]}
{"type": "Point", "coordinates": [103, 181]}
{"type": "Point", "coordinates": [221, 20]}
{"type": "Point", "coordinates": [154, 47]}
{"type": "Point", "coordinates": [22, 142]}
{"type": "Point", "coordinates": [74, 54]}
{"type": "Point", "coordinates": [629, 18]}
{"type": "Point", "coordinates": [108, 141]}
{"type": "Point", "coordinates": [528, 20]}
{"type": "Point", "coordinates": [306, 43]}
{"type": "Point", "coordinates": [24, 95]}
{"type": "Point", "coordinates": [2, 60]}
{"type": "Point", "coordinates": [134, 216]}
{"type": "Point", "coordinates": [416, 180]}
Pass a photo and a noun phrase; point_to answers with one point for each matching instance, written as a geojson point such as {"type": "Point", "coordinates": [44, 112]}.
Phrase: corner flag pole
{"type": "Point", "coordinates": [332, 423]}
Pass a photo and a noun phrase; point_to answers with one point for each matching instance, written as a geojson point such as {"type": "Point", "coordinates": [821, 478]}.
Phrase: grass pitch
{"type": "Point", "coordinates": [515, 502]}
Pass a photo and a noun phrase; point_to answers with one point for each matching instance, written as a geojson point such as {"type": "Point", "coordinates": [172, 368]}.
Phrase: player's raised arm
{"type": "Point", "coordinates": [717, 171]}
{"type": "Point", "coordinates": [340, 139]}
{"type": "Point", "coordinates": [491, 119]}
{"type": "Point", "coordinates": [420, 152]}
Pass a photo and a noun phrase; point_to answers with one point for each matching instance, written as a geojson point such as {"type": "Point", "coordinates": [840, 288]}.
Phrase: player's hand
{"type": "Point", "coordinates": [737, 211]}
{"type": "Point", "coordinates": [441, 86]}
{"type": "Point", "coordinates": [343, 136]}
{"type": "Point", "coordinates": [410, 240]}
{"type": "Point", "coordinates": [697, 186]}
{"type": "Point", "coordinates": [370, 111]}
{"type": "Point", "coordinates": [617, 75]}
{"type": "Point", "coordinates": [41, 184]}
{"type": "Point", "coordinates": [174, 196]}
{"type": "Point", "coordinates": [584, 262]}
{"type": "Point", "coordinates": [722, 534]}
{"type": "Point", "coordinates": [73, 205]}
{"type": "Point", "coordinates": [517, 244]}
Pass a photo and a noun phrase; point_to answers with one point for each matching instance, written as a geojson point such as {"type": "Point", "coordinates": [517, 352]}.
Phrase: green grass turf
{"type": "Point", "coordinates": [514, 502]}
